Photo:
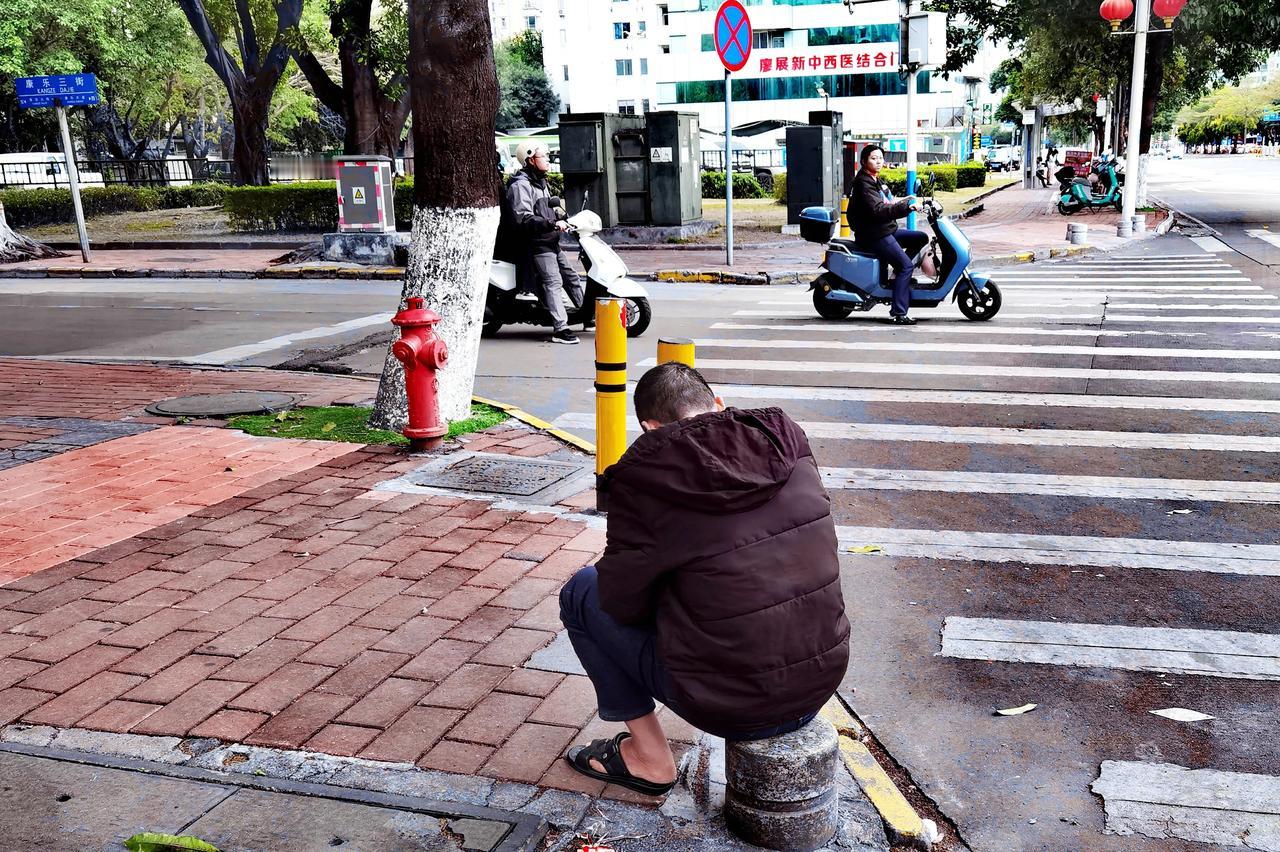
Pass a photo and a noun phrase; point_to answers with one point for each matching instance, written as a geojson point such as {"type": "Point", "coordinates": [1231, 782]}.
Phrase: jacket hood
{"type": "Point", "coordinates": [718, 463]}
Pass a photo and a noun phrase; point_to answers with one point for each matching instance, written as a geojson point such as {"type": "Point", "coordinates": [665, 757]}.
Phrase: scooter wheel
{"type": "Point", "coordinates": [638, 316]}
{"type": "Point", "coordinates": [980, 306]}
{"type": "Point", "coordinates": [491, 323]}
{"type": "Point", "coordinates": [1065, 210]}
{"type": "Point", "coordinates": [826, 309]}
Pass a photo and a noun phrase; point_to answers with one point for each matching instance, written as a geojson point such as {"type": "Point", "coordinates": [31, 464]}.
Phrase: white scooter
{"type": "Point", "coordinates": [507, 304]}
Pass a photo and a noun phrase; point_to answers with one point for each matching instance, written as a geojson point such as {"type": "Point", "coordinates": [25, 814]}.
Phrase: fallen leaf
{"type": "Point", "coordinates": [1181, 714]}
{"type": "Point", "coordinates": [867, 548]}
{"type": "Point", "coordinates": [329, 427]}
{"type": "Point", "coordinates": [149, 841]}
{"type": "Point", "coordinates": [1017, 711]}
{"type": "Point", "coordinates": [280, 418]}
{"type": "Point", "coordinates": [1179, 512]}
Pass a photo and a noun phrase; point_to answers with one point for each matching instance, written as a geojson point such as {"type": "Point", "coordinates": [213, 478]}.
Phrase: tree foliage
{"type": "Point", "coordinates": [1067, 51]}
{"type": "Point", "coordinates": [1226, 113]}
{"type": "Point", "coordinates": [527, 97]}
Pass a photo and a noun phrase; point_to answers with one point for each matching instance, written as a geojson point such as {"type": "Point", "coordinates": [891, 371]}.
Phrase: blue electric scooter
{"type": "Point", "coordinates": [856, 280]}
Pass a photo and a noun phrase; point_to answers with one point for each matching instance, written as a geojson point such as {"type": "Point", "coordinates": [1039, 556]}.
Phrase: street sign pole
{"type": "Point", "coordinates": [732, 36]}
{"type": "Point", "coordinates": [73, 176]}
{"type": "Point", "coordinates": [728, 168]}
{"type": "Point", "coordinates": [904, 53]}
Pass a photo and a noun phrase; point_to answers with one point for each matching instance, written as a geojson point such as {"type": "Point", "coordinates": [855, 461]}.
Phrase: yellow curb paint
{"type": "Point", "coordinates": [679, 276]}
{"type": "Point", "coordinates": [537, 423]}
{"type": "Point", "coordinates": [902, 820]}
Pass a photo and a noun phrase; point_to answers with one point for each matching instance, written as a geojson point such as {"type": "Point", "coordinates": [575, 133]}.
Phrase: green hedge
{"type": "Point", "coordinates": [744, 186]}
{"type": "Point", "coordinates": [972, 173]}
{"type": "Point", "coordinates": [27, 208]}
{"type": "Point", "coordinates": [780, 187]}
{"type": "Point", "coordinates": [897, 178]}
{"type": "Point", "coordinates": [313, 206]}
{"type": "Point", "coordinates": [307, 206]}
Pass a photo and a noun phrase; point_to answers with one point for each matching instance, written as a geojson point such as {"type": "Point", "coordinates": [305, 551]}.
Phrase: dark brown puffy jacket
{"type": "Point", "coordinates": [720, 534]}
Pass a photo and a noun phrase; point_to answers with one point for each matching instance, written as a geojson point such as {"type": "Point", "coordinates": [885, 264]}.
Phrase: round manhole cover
{"type": "Point", "coordinates": [223, 404]}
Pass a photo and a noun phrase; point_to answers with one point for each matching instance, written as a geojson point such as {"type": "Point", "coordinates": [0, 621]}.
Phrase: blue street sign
{"type": "Point", "coordinates": [986, 141]}
{"type": "Point", "coordinates": [896, 145]}
{"type": "Point", "coordinates": [70, 89]}
{"type": "Point", "coordinates": [1271, 115]}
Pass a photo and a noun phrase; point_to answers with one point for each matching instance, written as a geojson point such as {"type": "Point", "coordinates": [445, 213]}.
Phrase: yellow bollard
{"type": "Point", "coordinates": [844, 217]}
{"type": "Point", "coordinates": [611, 386]}
{"type": "Point", "coordinates": [675, 349]}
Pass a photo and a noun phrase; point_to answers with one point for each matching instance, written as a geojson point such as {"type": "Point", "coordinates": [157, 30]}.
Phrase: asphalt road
{"type": "Point", "coordinates": [1072, 505]}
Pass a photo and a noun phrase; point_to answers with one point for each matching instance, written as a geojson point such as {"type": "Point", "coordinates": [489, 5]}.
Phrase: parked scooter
{"type": "Point", "coordinates": [1077, 193]}
{"type": "Point", "coordinates": [508, 303]}
{"type": "Point", "coordinates": [856, 280]}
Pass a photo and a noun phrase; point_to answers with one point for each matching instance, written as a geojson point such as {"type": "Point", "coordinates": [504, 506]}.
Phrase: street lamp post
{"type": "Point", "coordinates": [1115, 11]}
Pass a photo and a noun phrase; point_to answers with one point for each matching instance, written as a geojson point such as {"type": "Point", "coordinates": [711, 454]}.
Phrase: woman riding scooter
{"type": "Point", "coordinates": [873, 215]}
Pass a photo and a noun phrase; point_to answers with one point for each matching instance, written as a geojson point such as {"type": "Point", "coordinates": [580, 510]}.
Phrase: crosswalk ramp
{"type": "Point", "coordinates": [1117, 424]}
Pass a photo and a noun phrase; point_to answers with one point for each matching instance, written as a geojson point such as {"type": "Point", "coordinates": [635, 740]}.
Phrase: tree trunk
{"type": "Point", "coordinates": [14, 247]}
{"type": "Point", "coordinates": [456, 213]}
{"type": "Point", "coordinates": [250, 112]}
{"type": "Point", "coordinates": [374, 121]}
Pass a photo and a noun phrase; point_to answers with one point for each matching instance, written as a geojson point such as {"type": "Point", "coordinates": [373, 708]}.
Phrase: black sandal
{"type": "Point", "coordinates": [609, 753]}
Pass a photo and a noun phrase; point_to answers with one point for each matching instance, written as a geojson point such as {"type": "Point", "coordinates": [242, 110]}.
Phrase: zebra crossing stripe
{"type": "Point", "coordinates": [891, 369]}
{"type": "Point", "coordinates": [1006, 348]}
{"type": "Point", "coordinates": [1071, 297]}
{"type": "Point", "coordinates": [1211, 244]}
{"type": "Point", "coordinates": [1216, 653]}
{"type": "Point", "coordinates": [1039, 437]}
{"type": "Point", "coordinates": [1093, 317]}
{"type": "Point", "coordinates": [953, 327]}
{"type": "Point", "coordinates": [992, 399]}
{"type": "Point", "coordinates": [1166, 801]}
{"type": "Point", "coordinates": [1265, 236]}
{"type": "Point", "coordinates": [996, 482]}
{"type": "Point", "coordinates": [1261, 560]}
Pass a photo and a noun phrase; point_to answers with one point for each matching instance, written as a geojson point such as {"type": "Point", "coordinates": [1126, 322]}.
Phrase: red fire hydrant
{"type": "Point", "coordinates": [422, 354]}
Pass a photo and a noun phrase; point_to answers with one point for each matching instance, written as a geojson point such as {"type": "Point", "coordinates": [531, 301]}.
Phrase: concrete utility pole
{"type": "Point", "coordinates": [1132, 154]}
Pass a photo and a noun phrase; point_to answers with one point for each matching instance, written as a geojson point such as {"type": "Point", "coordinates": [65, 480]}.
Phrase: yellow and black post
{"type": "Point", "coordinates": [675, 349]}
{"type": "Point", "coordinates": [611, 388]}
{"type": "Point", "coordinates": [844, 217]}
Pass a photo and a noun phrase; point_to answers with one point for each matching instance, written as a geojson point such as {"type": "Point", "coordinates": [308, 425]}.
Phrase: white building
{"type": "Point", "coordinates": [634, 55]}
{"type": "Point", "coordinates": [512, 17]}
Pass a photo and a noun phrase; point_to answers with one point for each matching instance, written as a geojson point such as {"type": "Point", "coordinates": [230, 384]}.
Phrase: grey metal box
{"type": "Point", "coordinates": [675, 168]}
{"type": "Point", "coordinates": [810, 158]}
{"type": "Point", "coordinates": [366, 194]}
{"type": "Point", "coordinates": [594, 147]}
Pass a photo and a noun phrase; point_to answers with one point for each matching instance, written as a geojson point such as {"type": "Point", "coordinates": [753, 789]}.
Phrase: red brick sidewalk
{"type": "Point", "coordinates": [1017, 219]}
{"type": "Point", "coordinates": [300, 607]}
{"type": "Point", "coordinates": [119, 391]}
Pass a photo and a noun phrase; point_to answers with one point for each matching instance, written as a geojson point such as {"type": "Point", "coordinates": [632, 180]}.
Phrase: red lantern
{"type": "Point", "coordinates": [1168, 10]}
{"type": "Point", "coordinates": [1116, 11]}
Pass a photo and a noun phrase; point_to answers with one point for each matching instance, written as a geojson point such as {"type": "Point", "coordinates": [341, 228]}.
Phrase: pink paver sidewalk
{"type": "Point", "coordinates": [191, 581]}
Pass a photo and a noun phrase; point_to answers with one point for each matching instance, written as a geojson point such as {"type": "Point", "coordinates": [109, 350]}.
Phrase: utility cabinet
{"type": "Point", "coordinates": [675, 168]}
{"type": "Point", "coordinates": [811, 157]}
{"type": "Point", "coordinates": [593, 146]}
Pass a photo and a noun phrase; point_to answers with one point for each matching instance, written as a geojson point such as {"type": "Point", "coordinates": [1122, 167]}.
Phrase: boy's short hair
{"type": "Point", "coordinates": [671, 392]}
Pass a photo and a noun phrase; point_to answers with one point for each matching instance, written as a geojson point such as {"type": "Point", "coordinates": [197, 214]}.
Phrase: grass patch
{"type": "Point", "coordinates": [348, 423]}
{"type": "Point", "coordinates": [155, 225]}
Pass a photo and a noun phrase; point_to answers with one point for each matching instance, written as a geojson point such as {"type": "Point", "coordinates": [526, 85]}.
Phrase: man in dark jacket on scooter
{"type": "Point", "coordinates": [719, 590]}
{"type": "Point", "coordinates": [873, 215]}
{"type": "Point", "coordinates": [530, 202]}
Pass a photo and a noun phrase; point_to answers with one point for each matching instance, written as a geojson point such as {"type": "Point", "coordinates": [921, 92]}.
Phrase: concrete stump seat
{"type": "Point", "coordinates": [781, 791]}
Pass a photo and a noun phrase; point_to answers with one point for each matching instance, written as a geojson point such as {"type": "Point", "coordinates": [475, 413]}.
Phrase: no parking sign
{"type": "Point", "coordinates": [732, 35]}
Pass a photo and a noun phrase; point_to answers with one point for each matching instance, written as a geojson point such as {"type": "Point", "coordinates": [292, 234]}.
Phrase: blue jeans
{"type": "Point", "coordinates": [622, 660]}
{"type": "Point", "coordinates": [890, 250]}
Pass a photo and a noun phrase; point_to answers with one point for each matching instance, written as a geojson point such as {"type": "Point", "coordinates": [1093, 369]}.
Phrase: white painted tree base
{"type": "Point", "coordinates": [14, 247]}
{"type": "Point", "coordinates": [449, 268]}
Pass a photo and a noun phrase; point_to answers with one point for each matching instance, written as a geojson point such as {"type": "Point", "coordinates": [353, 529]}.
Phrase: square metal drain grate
{"type": "Point", "coordinates": [497, 474]}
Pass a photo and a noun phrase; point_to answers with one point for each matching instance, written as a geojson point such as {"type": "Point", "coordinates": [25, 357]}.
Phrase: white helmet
{"type": "Point", "coordinates": [531, 151]}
